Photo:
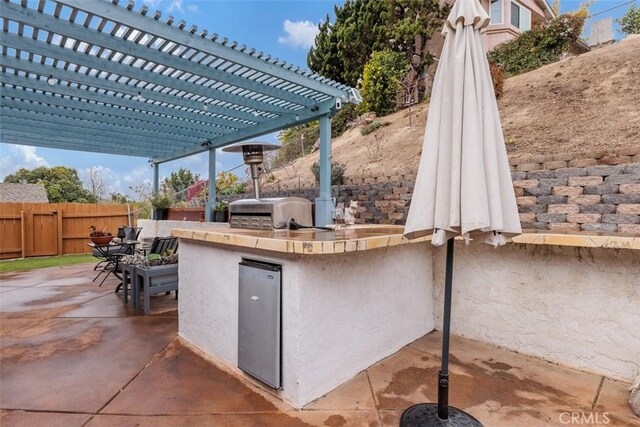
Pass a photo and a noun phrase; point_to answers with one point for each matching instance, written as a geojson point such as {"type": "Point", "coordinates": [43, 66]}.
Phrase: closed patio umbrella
{"type": "Point", "coordinates": [463, 187]}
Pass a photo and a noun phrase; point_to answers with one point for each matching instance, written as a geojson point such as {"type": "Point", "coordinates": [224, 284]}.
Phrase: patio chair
{"type": "Point", "coordinates": [125, 234]}
{"type": "Point", "coordinates": [109, 255]}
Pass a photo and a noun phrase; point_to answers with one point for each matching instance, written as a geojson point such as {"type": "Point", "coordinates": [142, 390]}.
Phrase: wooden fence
{"type": "Point", "coordinates": [45, 229]}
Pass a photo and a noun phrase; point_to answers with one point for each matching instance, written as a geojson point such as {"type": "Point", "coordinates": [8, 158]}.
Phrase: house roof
{"type": "Point", "coordinates": [23, 193]}
{"type": "Point", "coordinates": [547, 6]}
{"type": "Point", "coordinates": [92, 75]}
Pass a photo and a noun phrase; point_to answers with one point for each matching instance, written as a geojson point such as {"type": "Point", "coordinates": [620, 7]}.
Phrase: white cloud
{"type": "Point", "coordinates": [193, 7]}
{"type": "Point", "coordinates": [299, 34]}
{"type": "Point", "coordinates": [154, 4]}
{"type": "Point", "coordinates": [15, 157]}
{"type": "Point", "coordinates": [175, 5]}
{"type": "Point", "coordinates": [110, 179]}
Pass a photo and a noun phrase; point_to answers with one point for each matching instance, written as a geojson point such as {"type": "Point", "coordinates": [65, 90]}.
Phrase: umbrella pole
{"type": "Point", "coordinates": [440, 414]}
{"type": "Point", "coordinates": [443, 375]}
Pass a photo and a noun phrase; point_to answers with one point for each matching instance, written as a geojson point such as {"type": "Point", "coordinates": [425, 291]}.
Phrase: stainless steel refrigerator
{"type": "Point", "coordinates": [259, 321]}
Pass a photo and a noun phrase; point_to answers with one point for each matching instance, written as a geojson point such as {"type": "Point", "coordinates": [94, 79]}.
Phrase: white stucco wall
{"type": "Point", "coordinates": [151, 228]}
{"type": "Point", "coordinates": [341, 313]}
{"type": "Point", "coordinates": [579, 307]}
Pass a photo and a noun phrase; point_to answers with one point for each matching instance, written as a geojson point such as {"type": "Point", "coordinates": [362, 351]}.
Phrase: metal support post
{"type": "Point", "coordinates": [324, 203]}
{"type": "Point", "coordinates": [211, 202]}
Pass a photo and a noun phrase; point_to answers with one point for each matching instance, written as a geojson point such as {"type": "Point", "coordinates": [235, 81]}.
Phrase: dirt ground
{"type": "Point", "coordinates": [581, 104]}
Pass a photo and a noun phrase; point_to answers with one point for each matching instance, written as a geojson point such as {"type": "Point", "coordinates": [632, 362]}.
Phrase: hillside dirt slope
{"type": "Point", "coordinates": [582, 104]}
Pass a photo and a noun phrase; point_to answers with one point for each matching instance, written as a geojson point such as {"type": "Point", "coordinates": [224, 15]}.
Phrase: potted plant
{"type": "Point", "coordinates": [99, 237]}
{"type": "Point", "coordinates": [221, 212]}
{"type": "Point", "coordinates": [160, 203]}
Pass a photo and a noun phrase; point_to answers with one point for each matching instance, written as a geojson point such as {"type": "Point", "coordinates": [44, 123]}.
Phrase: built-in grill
{"type": "Point", "coordinates": [269, 213]}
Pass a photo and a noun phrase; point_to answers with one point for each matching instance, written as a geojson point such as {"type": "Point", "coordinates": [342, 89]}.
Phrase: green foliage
{"type": "Point", "coordinates": [161, 201]}
{"type": "Point", "coordinates": [343, 117]}
{"type": "Point", "coordinates": [119, 198]}
{"type": "Point", "coordinates": [178, 182]}
{"type": "Point", "coordinates": [220, 206]}
{"type": "Point", "coordinates": [539, 46]}
{"type": "Point", "coordinates": [61, 183]}
{"type": "Point", "coordinates": [228, 183]}
{"type": "Point", "coordinates": [630, 22]}
{"type": "Point", "coordinates": [342, 48]}
{"type": "Point", "coordinates": [371, 127]}
{"type": "Point", "coordinates": [381, 81]}
{"type": "Point", "coordinates": [292, 140]}
{"type": "Point", "coordinates": [337, 173]}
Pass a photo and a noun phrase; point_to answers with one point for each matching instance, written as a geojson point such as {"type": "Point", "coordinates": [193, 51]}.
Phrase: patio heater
{"type": "Point", "coordinates": [253, 156]}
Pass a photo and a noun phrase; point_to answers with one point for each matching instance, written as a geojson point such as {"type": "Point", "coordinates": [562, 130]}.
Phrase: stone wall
{"type": "Point", "coordinates": [588, 192]}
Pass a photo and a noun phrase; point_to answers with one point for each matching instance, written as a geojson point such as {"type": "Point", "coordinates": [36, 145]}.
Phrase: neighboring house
{"type": "Point", "coordinates": [509, 18]}
{"type": "Point", "coordinates": [23, 193]}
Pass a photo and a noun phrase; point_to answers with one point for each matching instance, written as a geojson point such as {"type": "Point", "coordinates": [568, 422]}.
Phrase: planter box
{"type": "Point", "coordinates": [186, 214]}
{"type": "Point", "coordinates": [154, 280]}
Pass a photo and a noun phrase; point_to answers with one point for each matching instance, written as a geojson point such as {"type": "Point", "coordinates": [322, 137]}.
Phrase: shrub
{"type": "Point", "coordinates": [371, 127]}
{"type": "Point", "coordinates": [497, 77]}
{"type": "Point", "coordinates": [291, 141]}
{"type": "Point", "coordinates": [539, 46]}
{"type": "Point", "coordinates": [381, 81]}
{"type": "Point", "coordinates": [343, 117]}
{"type": "Point", "coordinates": [337, 173]}
{"type": "Point", "coordinates": [630, 22]}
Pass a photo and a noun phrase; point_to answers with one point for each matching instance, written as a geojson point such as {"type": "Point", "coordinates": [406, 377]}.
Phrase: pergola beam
{"type": "Point", "coordinates": [83, 79]}
{"type": "Point", "coordinates": [17, 13]}
{"type": "Point", "coordinates": [158, 28]}
{"type": "Point", "coordinates": [178, 118]}
{"type": "Point", "coordinates": [254, 132]}
{"type": "Point", "coordinates": [130, 126]}
{"type": "Point", "coordinates": [143, 119]}
{"type": "Point", "coordinates": [54, 143]}
{"type": "Point", "coordinates": [71, 128]}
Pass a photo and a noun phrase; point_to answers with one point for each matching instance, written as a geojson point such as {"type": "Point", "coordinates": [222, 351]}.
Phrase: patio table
{"type": "Point", "coordinates": [113, 258]}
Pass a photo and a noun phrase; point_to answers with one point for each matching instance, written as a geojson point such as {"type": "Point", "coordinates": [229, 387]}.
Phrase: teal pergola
{"type": "Point", "coordinates": [93, 75]}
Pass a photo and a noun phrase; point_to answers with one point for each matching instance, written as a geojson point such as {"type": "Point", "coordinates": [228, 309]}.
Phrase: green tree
{"type": "Point", "coordinates": [119, 198]}
{"type": "Point", "coordinates": [630, 22]}
{"type": "Point", "coordinates": [228, 183]}
{"type": "Point", "coordinates": [362, 27]}
{"type": "Point", "coordinates": [381, 81]}
{"type": "Point", "coordinates": [342, 48]}
{"type": "Point", "coordinates": [179, 181]}
{"type": "Point", "coordinates": [411, 24]}
{"type": "Point", "coordinates": [61, 183]}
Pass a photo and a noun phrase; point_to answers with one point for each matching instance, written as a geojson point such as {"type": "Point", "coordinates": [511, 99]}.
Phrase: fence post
{"type": "Point", "coordinates": [59, 214]}
{"type": "Point", "coordinates": [23, 245]}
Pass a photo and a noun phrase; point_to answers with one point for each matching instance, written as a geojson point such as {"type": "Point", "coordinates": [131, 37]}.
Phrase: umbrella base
{"type": "Point", "coordinates": [426, 415]}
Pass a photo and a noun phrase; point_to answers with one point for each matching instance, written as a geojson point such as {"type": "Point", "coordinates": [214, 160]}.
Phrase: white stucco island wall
{"type": "Point", "coordinates": [579, 307]}
{"type": "Point", "coordinates": [341, 312]}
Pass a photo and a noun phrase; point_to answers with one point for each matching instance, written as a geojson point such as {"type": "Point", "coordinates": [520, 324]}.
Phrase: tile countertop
{"type": "Point", "coordinates": [366, 237]}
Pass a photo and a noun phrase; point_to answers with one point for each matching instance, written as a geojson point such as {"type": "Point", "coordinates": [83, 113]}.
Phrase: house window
{"type": "Point", "coordinates": [495, 11]}
{"type": "Point", "coordinates": [520, 17]}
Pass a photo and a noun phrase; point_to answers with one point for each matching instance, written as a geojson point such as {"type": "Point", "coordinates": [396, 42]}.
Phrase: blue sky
{"type": "Point", "coordinates": [284, 29]}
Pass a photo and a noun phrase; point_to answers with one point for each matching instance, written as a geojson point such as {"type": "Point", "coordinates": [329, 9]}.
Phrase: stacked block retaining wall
{"type": "Point", "coordinates": [597, 192]}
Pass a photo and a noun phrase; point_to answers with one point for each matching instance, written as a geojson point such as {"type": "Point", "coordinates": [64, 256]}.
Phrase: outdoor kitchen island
{"type": "Point", "coordinates": [349, 298]}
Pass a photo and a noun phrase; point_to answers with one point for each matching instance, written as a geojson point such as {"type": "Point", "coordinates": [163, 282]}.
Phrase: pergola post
{"type": "Point", "coordinates": [156, 184]}
{"type": "Point", "coordinates": [324, 203]}
{"type": "Point", "coordinates": [208, 211]}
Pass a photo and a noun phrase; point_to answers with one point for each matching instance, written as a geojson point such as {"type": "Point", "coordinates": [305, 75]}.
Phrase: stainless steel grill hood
{"type": "Point", "coordinates": [269, 213]}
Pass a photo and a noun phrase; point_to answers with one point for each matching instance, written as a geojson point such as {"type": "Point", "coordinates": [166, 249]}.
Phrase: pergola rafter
{"type": "Point", "coordinates": [91, 75]}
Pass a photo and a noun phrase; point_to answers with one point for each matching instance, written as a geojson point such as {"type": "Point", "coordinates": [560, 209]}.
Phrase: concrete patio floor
{"type": "Point", "coordinates": [72, 354]}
